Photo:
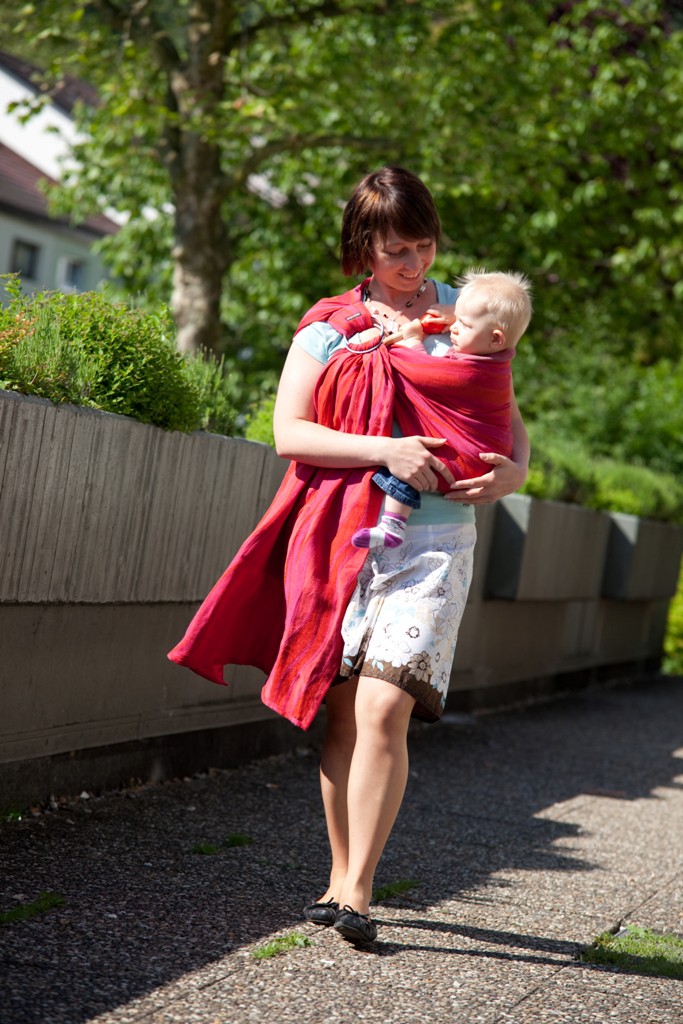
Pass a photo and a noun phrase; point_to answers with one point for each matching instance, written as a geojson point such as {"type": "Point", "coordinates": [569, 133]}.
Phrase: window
{"type": "Point", "coordinates": [71, 274]}
{"type": "Point", "coordinates": [25, 259]}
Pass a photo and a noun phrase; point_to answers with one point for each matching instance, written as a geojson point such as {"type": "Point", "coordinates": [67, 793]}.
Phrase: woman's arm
{"type": "Point", "coordinates": [505, 475]}
{"type": "Point", "coordinates": [299, 437]}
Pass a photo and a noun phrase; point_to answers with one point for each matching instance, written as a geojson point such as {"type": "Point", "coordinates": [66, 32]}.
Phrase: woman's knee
{"type": "Point", "coordinates": [383, 707]}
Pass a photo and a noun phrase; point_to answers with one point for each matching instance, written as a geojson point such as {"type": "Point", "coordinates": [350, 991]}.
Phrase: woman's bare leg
{"type": "Point", "coordinates": [340, 741]}
{"type": "Point", "coordinates": [376, 783]}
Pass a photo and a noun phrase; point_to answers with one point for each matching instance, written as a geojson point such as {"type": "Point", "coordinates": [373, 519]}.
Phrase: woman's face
{"type": "Point", "coordinates": [402, 264]}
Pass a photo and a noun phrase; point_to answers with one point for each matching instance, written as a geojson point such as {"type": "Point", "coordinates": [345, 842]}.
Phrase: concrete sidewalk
{"type": "Point", "coordinates": [529, 832]}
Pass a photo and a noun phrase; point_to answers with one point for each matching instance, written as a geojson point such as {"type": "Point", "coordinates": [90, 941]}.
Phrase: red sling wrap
{"type": "Point", "coordinates": [280, 603]}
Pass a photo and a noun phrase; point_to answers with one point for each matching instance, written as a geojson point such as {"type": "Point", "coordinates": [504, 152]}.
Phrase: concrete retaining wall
{"type": "Point", "coordinates": [111, 532]}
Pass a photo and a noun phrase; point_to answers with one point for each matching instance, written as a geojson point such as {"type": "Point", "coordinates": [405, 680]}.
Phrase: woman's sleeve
{"type": "Point", "coordinates": [446, 293]}
{"type": "Point", "coordinates": [319, 340]}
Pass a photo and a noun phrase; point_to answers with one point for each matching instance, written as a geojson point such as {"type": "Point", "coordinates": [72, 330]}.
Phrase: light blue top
{"type": "Point", "coordinates": [321, 341]}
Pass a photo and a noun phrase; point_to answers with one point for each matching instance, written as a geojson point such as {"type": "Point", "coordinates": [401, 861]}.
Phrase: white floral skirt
{"type": "Point", "coordinates": [402, 622]}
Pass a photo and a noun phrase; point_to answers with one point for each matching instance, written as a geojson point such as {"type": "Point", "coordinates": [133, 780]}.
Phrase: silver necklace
{"type": "Point", "coordinates": [392, 321]}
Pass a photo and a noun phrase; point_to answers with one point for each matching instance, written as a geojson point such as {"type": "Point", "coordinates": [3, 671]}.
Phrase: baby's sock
{"type": "Point", "coordinates": [387, 534]}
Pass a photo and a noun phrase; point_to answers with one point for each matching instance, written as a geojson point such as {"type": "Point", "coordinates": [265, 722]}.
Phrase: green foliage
{"type": "Point", "coordinates": [554, 148]}
{"type": "Point", "coordinates": [259, 422]}
{"type": "Point", "coordinates": [565, 471]}
{"type": "Point", "coordinates": [572, 162]}
{"type": "Point", "coordinates": [387, 892]}
{"type": "Point", "coordinates": [217, 392]}
{"type": "Point", "coordinates": [607, 405]}
{"type": "Point", "coordinates": [206, 849]}
{"type": "Point", "coordinates": [233, 840]}
{"type": "Point", "coordinates": [25, 911]}
{"type": "Point", "coordinates": [36, 358]}
{"type": "Point", "coordinates": [282, 944]}
{"type": "Point", "coordinates": [237, 839]}
{"type": "Point", "coordinates": [637, 490]}
{"type": "Point", "coordinates": [639, 951]}
{"type": "Point", "coordinates": [86, 350]}
{"type": "Point", "coordinates": [673, 642]}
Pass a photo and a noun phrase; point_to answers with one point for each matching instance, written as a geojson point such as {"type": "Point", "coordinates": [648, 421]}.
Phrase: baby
{"type": "Point", "coordinates": [492, 312]}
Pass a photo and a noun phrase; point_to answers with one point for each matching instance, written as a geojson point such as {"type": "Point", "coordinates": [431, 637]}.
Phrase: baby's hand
{"type": "Point", "coordinates": [438, 318]}
{"type": "Point", "coordinates": [413, 333]}
{"type": "Point", "coordinates": [408, 335]}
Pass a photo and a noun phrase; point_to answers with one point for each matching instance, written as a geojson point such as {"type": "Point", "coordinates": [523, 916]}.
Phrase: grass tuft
{"type": "Point", "coordinates": [237, 839]}
{"type": "Point", "coordinates": [386, 892]}
{"type": "Point", "coordinates": [638, 951]}
{"type": "Point", "coordinates": [283, 944]}
{"type": "Point", "coordinates": [207, 849]}
{"type": "Point", "coordinates": [234, 839]}
{"type": "Point", "coordinates": [45, 901]}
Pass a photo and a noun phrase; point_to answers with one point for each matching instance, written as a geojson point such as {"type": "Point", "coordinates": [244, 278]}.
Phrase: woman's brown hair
{"type": "Point", "coordinates": [391, 199]}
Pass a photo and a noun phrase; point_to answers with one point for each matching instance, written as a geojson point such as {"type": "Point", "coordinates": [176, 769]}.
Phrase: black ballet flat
{"type": "Point", "coordinates": [322, 913]}
{"type": "Point", "coordinates": [354, 926]}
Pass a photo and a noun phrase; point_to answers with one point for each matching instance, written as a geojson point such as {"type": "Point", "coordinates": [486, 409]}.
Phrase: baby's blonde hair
{"type": "Point", "coordinates": [507, 297]}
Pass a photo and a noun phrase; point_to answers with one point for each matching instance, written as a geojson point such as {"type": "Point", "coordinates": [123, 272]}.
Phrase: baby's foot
{"type": "Point", "coordinates": [388, 533]}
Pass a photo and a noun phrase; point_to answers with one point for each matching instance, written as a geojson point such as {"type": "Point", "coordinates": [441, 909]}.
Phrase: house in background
{"type": "Point", "coordinates": [48, 252]}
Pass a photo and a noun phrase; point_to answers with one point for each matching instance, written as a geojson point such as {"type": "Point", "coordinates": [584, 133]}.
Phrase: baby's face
{"type": "Point", "coordinates": [472, 330]}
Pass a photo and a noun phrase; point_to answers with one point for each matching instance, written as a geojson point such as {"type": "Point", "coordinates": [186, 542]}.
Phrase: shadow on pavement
{"type": "Point", "coordinates": [142, 910]}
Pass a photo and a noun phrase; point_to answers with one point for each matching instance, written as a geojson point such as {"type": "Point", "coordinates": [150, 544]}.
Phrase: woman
{"type": "Point", "coordinates": [373, 636]}
{"type": "Point", "coordinates": [391, 228]}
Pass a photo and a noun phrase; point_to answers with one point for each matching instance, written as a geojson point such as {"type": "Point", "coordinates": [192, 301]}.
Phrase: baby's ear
{"type": "Point", "coordinates": [498, 339]}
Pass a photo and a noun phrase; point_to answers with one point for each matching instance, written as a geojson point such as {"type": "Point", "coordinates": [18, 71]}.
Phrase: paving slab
{"type": "Point", "coordinates": [526, 832]}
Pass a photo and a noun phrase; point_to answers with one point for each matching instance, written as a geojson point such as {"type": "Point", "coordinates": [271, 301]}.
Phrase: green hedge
{"type": "Point", "coordinates": [566, 471]}
{"type": "Point", "coordinates": [259, 422]}
{"type": "Point", "coordinates": [86, 350]}
{"type": "Point", "coordinates": [562, 471]}
{"type": "Point", "coordinates": [673, 641]}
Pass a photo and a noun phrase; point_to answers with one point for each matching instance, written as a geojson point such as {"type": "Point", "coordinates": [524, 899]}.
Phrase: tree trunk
{"type": "Point", "coordinates": [200, 252]}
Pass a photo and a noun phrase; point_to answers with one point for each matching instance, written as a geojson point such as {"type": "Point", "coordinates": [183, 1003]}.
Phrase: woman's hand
{"type": "Point", "coordinates": [299, 437]}
{"type": "Point", "coordinates": [410, 459]}
{"type": "Point", "coordinates": [504, 477]}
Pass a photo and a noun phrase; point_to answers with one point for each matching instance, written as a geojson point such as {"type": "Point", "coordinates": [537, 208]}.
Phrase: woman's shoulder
{"type": "Point", "coordinates": [446, 293]}
{"type": "Point", "coordinates": [320, 340]}
{"type": "Point", "coordinates": [319, 333]}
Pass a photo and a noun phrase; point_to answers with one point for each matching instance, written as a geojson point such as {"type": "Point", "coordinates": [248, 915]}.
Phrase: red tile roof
{"type": "Point", "coordinates": [20, 193]}
{"type": "Point", "coordinates": [69, 91]}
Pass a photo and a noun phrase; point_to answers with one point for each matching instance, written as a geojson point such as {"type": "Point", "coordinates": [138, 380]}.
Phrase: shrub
{"type": "Point", "coordinates": [565, 471]}
{"type": "Point", "coordinates": [560, 473]}
{"type": "Point", "coordinates": [217, 393]}
{"type": "Point", "coordinates": [37, 359]}
{"type": "Point", "coordinates": [673, 643]}
{"type": "Point", "coordinates": [638, 490]}
{"type": "Point", "coordinates": [86, 350]}
{"type": "Point", "coordinates": [619, 409]}
{"type": "Point", "coordinates": [259, 422]}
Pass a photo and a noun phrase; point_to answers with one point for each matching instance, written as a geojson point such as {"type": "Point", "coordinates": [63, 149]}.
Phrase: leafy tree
{"type": "Point", "coordinates": [569, 164]}
{"type": "Point", "coordinates": [549, 133]}
{"type": "Point", "coordinates": [197, 98]}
